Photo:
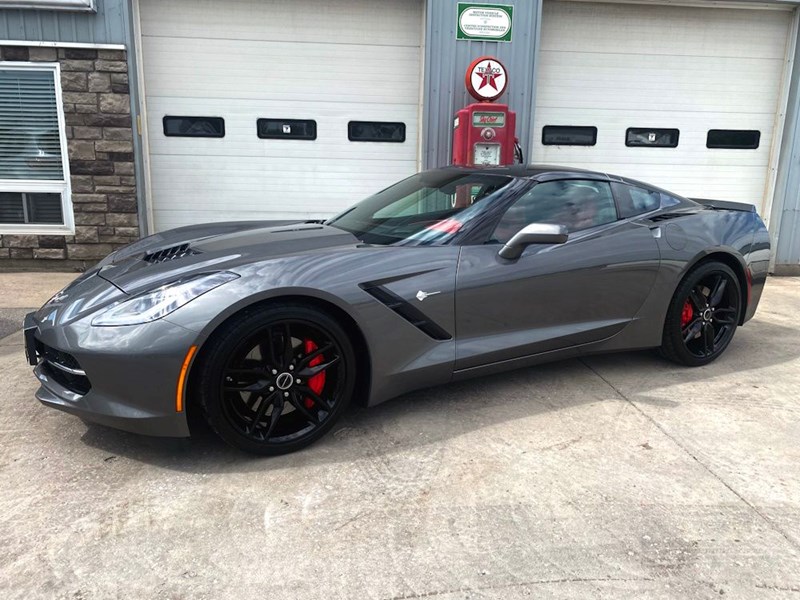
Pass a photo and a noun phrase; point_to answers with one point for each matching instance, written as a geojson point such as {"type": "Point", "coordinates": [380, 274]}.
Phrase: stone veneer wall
{"type": "Point", "coordinates": [97, 112]}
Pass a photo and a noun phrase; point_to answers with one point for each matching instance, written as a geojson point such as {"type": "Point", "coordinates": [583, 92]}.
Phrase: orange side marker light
{"type": "Point", "coordinates": [182, 378]}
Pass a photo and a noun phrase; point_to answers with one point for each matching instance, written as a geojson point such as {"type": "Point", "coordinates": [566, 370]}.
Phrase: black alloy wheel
{"type": "Point", "coordinates": [275, 381]}
{"type": "Point", "coordinates": [703, 315]}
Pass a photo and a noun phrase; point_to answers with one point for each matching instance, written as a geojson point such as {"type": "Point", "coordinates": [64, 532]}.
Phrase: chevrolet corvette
{"type": "Point", "coordinates": [269, 330]}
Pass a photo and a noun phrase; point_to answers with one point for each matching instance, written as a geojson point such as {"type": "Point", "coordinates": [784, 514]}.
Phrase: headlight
{"type": "Point", "coordinates": [160, 302]}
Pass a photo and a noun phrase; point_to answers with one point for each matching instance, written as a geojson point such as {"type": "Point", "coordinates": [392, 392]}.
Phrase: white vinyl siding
{"type": "Point", "coordinates": [308, 59]}
{"type": "Point", "coordinates": [34, 169]}
{"type": "Point", "coordinates": [617, 66]}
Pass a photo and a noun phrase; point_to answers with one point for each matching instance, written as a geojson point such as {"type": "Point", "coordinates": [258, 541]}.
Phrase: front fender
{"type": "Point", "coordinates": [402, 356]}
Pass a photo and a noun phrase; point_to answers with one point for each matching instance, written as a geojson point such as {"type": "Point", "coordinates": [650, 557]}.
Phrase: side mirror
{"type": "Point", "coordinates": [535, 233]}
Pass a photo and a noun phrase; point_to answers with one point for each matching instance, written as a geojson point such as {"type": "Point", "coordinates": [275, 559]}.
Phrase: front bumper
{"type": "Point", "coordinates": [132, 373]}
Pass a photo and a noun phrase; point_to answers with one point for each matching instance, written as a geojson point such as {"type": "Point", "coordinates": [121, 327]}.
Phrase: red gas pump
{"type": "Point", "coordinates": [483, 132]}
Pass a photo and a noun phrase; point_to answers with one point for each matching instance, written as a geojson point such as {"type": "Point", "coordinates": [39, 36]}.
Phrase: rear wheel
{"type": "Point", "coordinates": [276, 380]}
{"type": "Point", "coordinates": [703, 315]}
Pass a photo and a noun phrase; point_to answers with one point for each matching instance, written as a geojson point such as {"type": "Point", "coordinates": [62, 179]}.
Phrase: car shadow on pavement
{"type": "Point", "coordinates": [437, 414]}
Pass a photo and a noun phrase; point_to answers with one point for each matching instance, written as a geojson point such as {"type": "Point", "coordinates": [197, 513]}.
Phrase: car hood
{"type": "Point", "coordinates": [182, 252]}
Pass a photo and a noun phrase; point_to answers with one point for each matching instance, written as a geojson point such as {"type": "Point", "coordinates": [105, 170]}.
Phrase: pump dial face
{"type": "Point", "coordinates": [486, 154]}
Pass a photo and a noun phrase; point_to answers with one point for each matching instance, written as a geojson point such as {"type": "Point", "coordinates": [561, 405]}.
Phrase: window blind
{"type": "Point", "coordinates": [36, 208]}
{"type": "Point", "coordinates": [30, 146]}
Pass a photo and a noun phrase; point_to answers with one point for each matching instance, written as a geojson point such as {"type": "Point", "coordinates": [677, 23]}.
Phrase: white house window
{"type": "Point", "coordinates": [34, 170]}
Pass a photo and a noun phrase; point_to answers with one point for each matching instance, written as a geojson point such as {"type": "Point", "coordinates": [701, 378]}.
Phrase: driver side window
{"type": "Point", "coordinates": [577, 204]}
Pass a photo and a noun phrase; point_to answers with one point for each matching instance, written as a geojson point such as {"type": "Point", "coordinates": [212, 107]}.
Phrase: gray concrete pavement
{"type": "Point", "coordinates": [619, 476]}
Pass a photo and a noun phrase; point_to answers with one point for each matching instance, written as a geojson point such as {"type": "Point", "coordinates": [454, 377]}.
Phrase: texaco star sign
{"type": "Point", "coordinates": [486, 79]}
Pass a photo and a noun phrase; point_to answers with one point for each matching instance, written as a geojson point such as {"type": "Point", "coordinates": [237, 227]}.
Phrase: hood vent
{"type": "Point", "coordinates": [168, 254]}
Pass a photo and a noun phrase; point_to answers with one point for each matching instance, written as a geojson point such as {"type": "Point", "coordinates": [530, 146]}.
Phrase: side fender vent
{"type": "Point", "coordinates": [171, 253]}
{"type": "Point", "coordinates": [406, 310]}
{"type": "Point", "coordinates": [667, 216]}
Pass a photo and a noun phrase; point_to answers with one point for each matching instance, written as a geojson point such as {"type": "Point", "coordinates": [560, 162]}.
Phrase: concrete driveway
{"type": "Point", "coordinates": [621, 476]}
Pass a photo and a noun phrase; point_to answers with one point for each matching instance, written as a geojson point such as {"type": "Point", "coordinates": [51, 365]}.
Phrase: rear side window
{"type": "Point", "coordinates": [633, 200]}
{"type": "Point", "coordinates": [577, 204]}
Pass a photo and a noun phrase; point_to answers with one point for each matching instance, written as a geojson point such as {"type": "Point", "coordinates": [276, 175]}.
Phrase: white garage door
{"type": "Point", "coordinates": [244, 60]}
{"type": "Point", "coordinates": [621, 66]}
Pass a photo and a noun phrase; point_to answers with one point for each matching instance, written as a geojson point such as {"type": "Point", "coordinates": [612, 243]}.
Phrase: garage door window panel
{"type": "Point", "coordinates": [576, 204]}
{"type": "Point", "coordinates": [34, 170]}
{"type": "Point", "coordinates": [642, 137]}
{"type": "Point", "coordinates": [376, 131]}
{"type": "Point", "coordinates": [286, 129]}
{"type": "Point", "coordinates": [568, 135]}
{"type": "Point", "coordinates": [733, 139]}
{"type": "Point", "coordinates": [208, 127]}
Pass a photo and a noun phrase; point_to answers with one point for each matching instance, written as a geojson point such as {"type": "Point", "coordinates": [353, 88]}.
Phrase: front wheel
{"type": "Point", "coordinates": [275, 380]}
{"type": "Point", "coordinates": [703, 315]}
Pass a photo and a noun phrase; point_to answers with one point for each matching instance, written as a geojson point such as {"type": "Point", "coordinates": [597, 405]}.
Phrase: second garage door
{"type": "Point", "coordinates": [307, 68]}
{"type": "Point", "coordinates": [655, 76]}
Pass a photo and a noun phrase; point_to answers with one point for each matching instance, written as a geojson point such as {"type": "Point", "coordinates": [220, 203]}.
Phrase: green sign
{"type": "Point", "coordinates": [486, 22]}
{"type": "Point", "coordinates": [489, 119]}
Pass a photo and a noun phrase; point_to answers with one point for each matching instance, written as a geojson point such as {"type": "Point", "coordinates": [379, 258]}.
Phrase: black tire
{"type": "Point", "coordinates": [702, 316]}
{"type": "Point", "coordinates": [243, 369]}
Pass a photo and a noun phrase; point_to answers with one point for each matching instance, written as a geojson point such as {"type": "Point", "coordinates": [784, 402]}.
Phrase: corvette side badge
{"type": "Point", "coordinates": [422, 295]}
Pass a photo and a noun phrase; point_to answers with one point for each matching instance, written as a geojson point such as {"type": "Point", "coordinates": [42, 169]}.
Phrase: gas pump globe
{"type": "Point", "coordinates": [483, 132]}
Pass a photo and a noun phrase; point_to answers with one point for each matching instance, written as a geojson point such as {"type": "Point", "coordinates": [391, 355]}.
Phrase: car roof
{"type": "Point", "coordinates": [531, 171]}
{"type": "Point", "coordinates": [550, 172]}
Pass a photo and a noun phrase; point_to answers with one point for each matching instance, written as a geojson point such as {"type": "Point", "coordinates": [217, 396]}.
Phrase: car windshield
{"type": "Point", "coordinates": [427, 208]}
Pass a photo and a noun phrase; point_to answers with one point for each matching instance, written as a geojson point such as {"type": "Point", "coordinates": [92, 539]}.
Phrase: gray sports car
{"type": "Point", "coordinates": [271, 329]}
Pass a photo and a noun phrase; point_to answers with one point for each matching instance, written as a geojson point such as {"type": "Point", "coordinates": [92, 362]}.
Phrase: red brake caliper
{"type": "Point", "coordinates": [317, 382]}
{"type": "Point", "coordinates": [686, 314]}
